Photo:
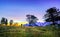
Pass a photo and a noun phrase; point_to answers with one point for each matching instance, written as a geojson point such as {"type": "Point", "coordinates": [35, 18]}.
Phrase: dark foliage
{"type": "Point", "coordinates": [52, 15]}
{"type": "Point", "coordinates": [31, 19]}
{"type": "Point", "coordinates": [4, 21]}
{"type": "Point", "coordinates": [11, 22]}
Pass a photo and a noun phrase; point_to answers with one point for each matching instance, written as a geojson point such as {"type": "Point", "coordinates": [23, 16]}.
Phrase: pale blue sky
{"type": "Point", "coordinates": [18, 9]}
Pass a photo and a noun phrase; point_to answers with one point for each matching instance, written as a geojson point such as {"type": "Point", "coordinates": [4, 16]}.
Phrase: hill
{"type": "Point", "coordinates": [39, 24]}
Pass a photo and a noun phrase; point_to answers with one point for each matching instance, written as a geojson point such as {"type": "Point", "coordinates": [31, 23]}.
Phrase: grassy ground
{"type": "Point", "coordinates": [13, 31]}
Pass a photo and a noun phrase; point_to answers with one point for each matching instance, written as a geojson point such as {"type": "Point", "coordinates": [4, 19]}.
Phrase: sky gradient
{"type": "Point", "coordinates": [18, 9]}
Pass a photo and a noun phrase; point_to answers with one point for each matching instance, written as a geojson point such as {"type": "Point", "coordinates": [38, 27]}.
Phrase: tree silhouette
{"type": "Point", "coordinates": [58, 19]}
{"type": "Point", "coordinates": [31, 19]}
{"type": "Point", "coordinates": [51, 15]}
{"type": "Point", "coordinates": [6, 21]}
{"type": "Point", "coordinates": [3, 20]}
{"type": "Point", "coordinates": [11, 22]}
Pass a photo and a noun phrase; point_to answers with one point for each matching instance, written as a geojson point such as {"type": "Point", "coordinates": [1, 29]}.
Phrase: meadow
{"type": "Point", "coordinates": [18, 31]}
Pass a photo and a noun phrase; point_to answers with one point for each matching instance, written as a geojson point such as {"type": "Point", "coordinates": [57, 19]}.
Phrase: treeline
{"type": "Point", "coordinates": [4, 21]}
{"type": "Point", "coordinates": [52, 15]}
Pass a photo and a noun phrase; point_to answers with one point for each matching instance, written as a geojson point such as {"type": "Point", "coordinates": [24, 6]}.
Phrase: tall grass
{"type": "Point", "coordinates": [13, 31]}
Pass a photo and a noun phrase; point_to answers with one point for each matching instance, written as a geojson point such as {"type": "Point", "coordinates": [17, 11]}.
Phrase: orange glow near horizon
{"type": "Point", "coordinates": [18, 23]}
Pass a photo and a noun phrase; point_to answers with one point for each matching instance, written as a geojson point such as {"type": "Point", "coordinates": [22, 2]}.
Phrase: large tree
{"type": "Point", "coordinates": [51, 15]}
{"type": "Point", "coordinates": [31, 19]}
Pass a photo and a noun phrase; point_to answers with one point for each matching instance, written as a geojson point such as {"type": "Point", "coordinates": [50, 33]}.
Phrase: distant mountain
{"type": "Point", "coordinates": [39, 24]}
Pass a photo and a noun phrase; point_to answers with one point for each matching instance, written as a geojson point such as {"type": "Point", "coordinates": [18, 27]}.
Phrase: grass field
{"type": "Point", "coordinates": [13, 31]}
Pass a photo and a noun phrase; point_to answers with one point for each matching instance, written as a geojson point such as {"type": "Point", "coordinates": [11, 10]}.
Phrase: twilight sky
{"type": "Point", "coordinates": [18, 9]}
